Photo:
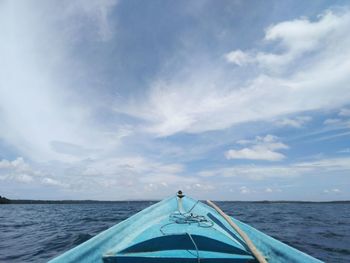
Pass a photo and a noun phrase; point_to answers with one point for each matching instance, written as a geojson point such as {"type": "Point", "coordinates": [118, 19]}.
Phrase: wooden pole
{"type": "Point", "coordinates": [244, 236]}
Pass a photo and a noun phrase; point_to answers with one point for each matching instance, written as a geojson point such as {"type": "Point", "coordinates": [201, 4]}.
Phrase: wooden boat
{"type": "Point", "coordinates": [176, 230]}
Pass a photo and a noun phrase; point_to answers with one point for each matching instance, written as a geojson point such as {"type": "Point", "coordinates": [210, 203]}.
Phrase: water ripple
{"type": "Point", "coordinates": [36, 233]}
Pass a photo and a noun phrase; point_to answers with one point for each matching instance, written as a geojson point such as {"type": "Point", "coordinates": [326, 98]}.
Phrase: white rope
{"type": "Point", "coordinates": [244, 236]}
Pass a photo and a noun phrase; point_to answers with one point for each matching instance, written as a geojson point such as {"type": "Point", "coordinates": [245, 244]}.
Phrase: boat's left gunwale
{"type": "Point", "coordinates": [78, 251]}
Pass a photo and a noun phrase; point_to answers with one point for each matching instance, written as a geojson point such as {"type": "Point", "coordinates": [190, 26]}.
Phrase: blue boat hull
{"type": "Point", "coordinates": [179, 230]}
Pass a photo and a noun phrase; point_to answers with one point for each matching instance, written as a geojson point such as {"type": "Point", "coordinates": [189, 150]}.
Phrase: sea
{"type": "Point", "coordinates": [39, 232]}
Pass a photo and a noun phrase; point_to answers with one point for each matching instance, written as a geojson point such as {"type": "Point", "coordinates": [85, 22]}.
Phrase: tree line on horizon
{"type": "Point", "coordinates": [4, 200]}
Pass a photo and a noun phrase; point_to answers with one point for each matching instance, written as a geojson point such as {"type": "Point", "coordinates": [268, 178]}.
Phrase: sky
{"type": "Point", "coordinates": [130, 100]}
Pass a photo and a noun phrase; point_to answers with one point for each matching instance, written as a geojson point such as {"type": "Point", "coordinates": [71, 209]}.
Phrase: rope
{"type": "Point", "coordinates": [195, 245]}
{"type": "Point", "coordinates": [244, 236]}
{"type": "Point", "coordinates": [189, 218]}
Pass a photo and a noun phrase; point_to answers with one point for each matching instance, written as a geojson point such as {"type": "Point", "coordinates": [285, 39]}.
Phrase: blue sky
{"type": "Point", "coordinates": [231, 100]}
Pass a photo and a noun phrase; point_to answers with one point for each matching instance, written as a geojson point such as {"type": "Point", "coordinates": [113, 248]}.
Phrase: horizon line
{"type": "Point", "coordinates": [157, 200]}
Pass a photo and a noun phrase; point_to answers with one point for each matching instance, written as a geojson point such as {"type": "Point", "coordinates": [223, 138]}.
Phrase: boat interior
{"type": "Point", "coordinates": [186, 235]}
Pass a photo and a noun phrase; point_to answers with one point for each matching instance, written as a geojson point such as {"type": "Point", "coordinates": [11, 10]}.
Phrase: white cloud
{"type": "Point", "coordinates": [268, 190]}
{"type": "Point", "coordinates": [254, 154]}
{"type": "Point", "coordinates": [295, 38]}
{"type": "Point", "coordinates": [263, 148]}
{"type": "Point", "coordinates": [244, 190]}
{"type": "Point", "coordinates": [296, 122]}
{"type": "Point", "coordinates": [17, 164]}
{"type": "Point", "coordinates": [17, 170]}
{"type": "Point", "coordinates": [20, 171]}
{"type": "Point", "coordinates": [333, 190]}
{"type": "Point", "coordinates": [272, 190]}
{"type": "Point", "coordinates": [344, 112]}
{"type": "Point", "coordinates": [52, 182]}
{"type": "Point", "coordinates": [238, 57]}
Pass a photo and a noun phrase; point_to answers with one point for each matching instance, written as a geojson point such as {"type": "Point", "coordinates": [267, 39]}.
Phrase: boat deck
{"type": "Point", "coordinates": [187, 232]}
{"type": "Point", "coordinates": [182, 236]}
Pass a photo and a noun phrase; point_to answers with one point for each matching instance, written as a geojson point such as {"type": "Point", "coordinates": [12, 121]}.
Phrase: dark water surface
{"type": "Point", "coordinates": [36, 233]}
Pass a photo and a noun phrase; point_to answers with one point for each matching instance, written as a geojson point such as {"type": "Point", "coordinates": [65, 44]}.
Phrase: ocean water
{"type": "Point", "coordinates": [39, 232]}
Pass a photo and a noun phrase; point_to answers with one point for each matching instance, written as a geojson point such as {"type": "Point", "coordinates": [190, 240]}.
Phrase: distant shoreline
{"type": "Point", "coordinates": [28, 201]}
{"type": "Point", "coordinates": [25, 201]}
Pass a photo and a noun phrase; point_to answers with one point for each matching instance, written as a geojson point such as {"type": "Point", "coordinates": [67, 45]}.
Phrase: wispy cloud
{"type": "Point", "coordinates": [344, 112]}
{"type": "Point", "coordinates": [40, 111]}
{"type": "Point", "coordinates": [346, 150]}
{"type": "Point", "coordinates": [337, 122]}
{"type": "Point", "coordinates": [296, 122]}
{"type": "Point", "coordinates": [292, 170]}
{"type": "Point", "coordinates": [95, 13]}
{"type": "Point", "coordinates": [214, 96]}
{"type": "Point", "coordinates": [333, 190]}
